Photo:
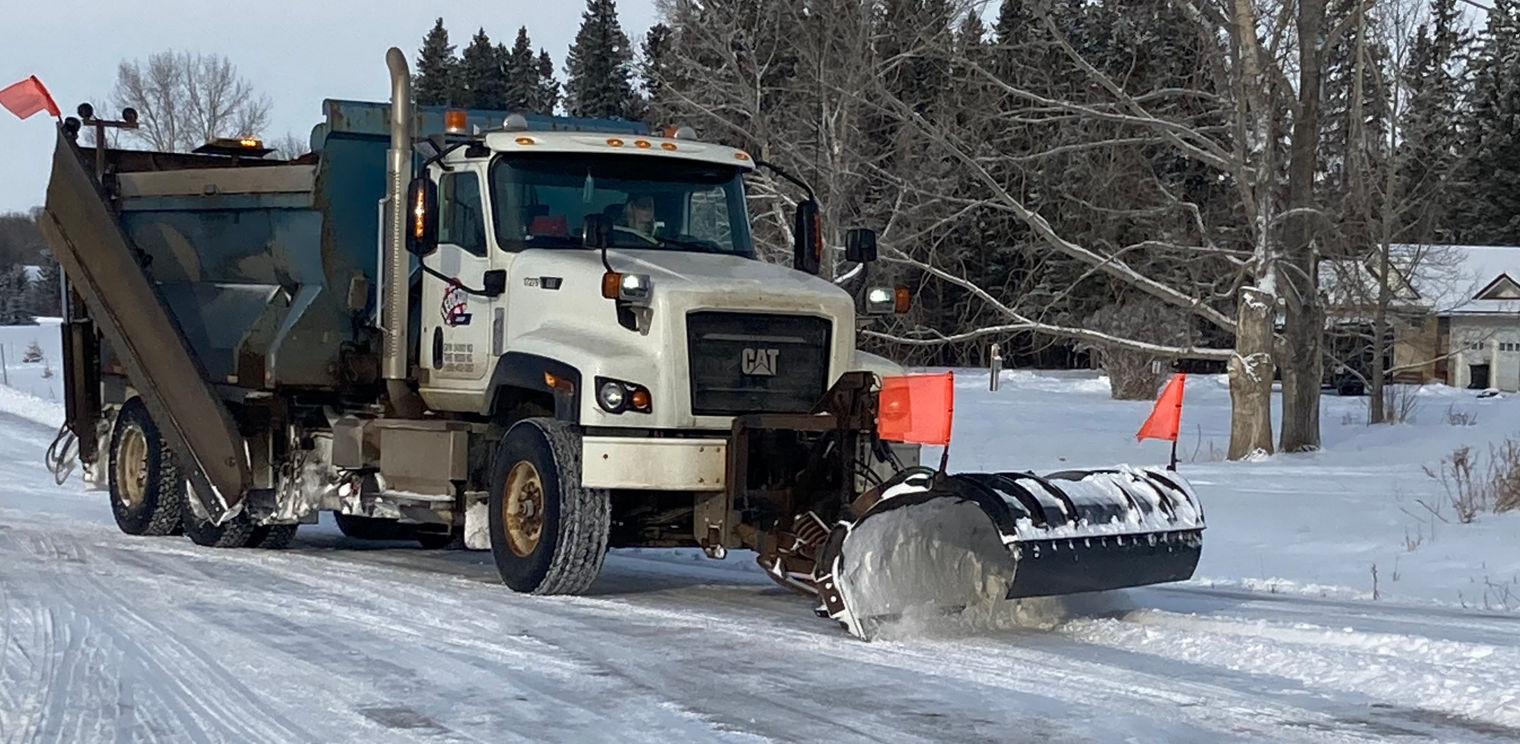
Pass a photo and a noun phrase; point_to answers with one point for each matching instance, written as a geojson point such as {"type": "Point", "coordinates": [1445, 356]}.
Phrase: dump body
{"type": "Point", "coordinates": [271, 268]}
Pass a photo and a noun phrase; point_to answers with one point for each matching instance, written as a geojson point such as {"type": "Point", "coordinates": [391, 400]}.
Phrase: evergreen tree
{"type": "Point", "coordinates": [435, 83]}
{"type": "Point", "coordinates": [654, 65]}
{"type": "Point", "coordinates": [1430, 140]}
{"type": "Point", "coordinates": [547, 97]}
{"type": "Point", "coordinates": [1354, 122]}
{"type": "Point", "coordinates": [1492, 167]}
{"type": "Point", "coordinates": [45, 291]}
{"type": "Point", "coordinates": [15, 293]}
{"type": "Point", "coordinates": [522, 74]}
{"type": "Point", "coordinates": [481, 72]}
{"type": "Point", "coordinates": [600, 66]}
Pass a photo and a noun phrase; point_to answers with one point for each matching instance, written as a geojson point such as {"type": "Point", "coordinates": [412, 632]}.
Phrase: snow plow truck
{"type": "Point", "coordinates": [541, 336]}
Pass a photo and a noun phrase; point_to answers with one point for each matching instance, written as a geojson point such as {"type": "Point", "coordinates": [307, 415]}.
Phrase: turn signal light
{"type": "Point", "coordinates": [454, 120]}
{"type": "Point", "coordinates": [611, 282]}
{"type": "Point", "coordinates": [419, 215]}
{"type": "Point", "coordinates": [555, 382]}
{"type": "Point", "coordinates": [902, 301]}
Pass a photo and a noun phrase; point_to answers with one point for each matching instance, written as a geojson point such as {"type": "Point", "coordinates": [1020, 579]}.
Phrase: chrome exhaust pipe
{"type": "Point", "coordinates": [397, 262]}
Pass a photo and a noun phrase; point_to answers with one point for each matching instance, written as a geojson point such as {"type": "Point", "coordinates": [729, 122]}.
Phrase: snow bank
{"type": "Point", "coordinates": [33, 390]}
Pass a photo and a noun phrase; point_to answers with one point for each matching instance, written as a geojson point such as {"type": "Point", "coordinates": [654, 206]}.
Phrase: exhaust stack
{"type": "Point", "coordinates": [393, 321]}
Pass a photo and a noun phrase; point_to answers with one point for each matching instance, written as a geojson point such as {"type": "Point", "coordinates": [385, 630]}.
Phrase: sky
{"type": "Point", "coordinates": [297, 53]}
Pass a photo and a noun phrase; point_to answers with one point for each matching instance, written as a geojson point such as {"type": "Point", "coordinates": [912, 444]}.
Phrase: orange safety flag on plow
{"type": "Point", "coordinates": [917, 408]}
{"type": "Point", "coordinates": [28, 97]}
{"type": "Point", "coordinates": [1166, 417]}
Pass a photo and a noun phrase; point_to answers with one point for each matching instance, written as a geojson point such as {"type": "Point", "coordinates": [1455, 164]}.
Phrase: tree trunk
{"type": "Point", "coordinates": [1251, 376]}
{"type": "Point", "coordinates": [1377, 404]}
{"type": "Point", "coordinates": [1378, 368]}
{"type": "Point", "coordinates": [1303, 321]}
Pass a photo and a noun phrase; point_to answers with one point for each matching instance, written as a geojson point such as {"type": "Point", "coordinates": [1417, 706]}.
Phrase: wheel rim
{"type": "Point", "coordinates": [132, 466]}
{"type": "Point", "coordinates": [522, 509]}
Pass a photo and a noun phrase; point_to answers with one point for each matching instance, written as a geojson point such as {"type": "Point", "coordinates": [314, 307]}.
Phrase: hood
{"type": "Point", "coordinates": [681, 270]}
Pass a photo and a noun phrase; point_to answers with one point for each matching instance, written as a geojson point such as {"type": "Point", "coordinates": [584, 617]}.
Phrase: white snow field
{"type": "Point", "coordinates": [105, 637]}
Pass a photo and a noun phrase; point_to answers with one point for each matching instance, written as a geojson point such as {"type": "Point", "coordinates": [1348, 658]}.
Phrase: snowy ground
{"type": "Point", "coordinates": [42, 380]}
{"type": "Point", "coordinates": [104, 637]}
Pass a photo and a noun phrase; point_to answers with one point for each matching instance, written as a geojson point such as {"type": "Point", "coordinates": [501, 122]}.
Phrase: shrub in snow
{"type": "Point", "coordinates": [1455, 417]}
{"type": "Point", "coordinates": [1464, 489]}
{"type": "Point", "coordinates": [1400, 403]}
{"type": "Point", "coordinates": [33, 354]}
{"type": "Point", "coordinates": [1472, 488]}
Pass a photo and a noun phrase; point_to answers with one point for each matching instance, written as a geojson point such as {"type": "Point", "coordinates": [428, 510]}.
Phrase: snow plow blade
{"type": "Point", "coordinates": [935, 545]}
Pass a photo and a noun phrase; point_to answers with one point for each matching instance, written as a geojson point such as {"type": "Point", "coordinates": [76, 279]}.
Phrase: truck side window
{"type": "Point", "coordinates": [461, 220]}
{"type": "Point", "coordinates": [708, 219]}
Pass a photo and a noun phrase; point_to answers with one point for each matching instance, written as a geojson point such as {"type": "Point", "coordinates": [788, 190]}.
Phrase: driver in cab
{"type": "Point", "coordinates": [638, 216]}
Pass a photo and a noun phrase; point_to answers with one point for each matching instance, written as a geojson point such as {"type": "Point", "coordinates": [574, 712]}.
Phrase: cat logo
{"type": "Point", "coordinates": [759, 362]}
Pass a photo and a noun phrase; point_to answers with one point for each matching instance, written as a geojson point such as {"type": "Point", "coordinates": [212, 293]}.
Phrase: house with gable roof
{"type": "Point", "coordinates": [1453, 312]}
{"type": "Point", "coordinates": [1480, 332]}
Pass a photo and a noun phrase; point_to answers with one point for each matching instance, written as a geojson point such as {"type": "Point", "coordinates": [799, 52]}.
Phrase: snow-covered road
{"type": "Point", "coordinates": [105, 637]}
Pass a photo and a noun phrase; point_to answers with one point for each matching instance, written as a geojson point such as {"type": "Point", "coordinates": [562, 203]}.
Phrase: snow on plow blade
{"type": "Point", "coordinates": [941, 545]}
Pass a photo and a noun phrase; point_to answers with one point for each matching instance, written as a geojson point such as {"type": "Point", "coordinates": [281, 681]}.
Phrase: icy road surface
{"type": "Point", "coordinates": [105, 637]}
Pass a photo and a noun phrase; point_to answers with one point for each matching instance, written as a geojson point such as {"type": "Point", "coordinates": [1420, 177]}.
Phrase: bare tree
{"type": "Point", "coordinates": [289, 146]}
{"type": "Point", "coordinates": [815, 89]}
{"type": "Point", "coordinates": [184, 99]}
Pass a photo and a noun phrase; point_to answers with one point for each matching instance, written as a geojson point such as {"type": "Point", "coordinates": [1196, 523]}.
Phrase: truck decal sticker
{"type": "Point", "coordinates": [455, 305]}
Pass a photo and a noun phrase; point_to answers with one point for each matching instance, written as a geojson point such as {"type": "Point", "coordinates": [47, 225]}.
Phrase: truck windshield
{"type": "Point", "coordinates": [541, 200]}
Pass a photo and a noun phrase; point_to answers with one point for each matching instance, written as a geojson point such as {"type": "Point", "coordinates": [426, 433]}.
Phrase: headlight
{"type": "Point", "coordinates": [880, 301]}
{"type": "Point", "coordinates": [617, 396]}
{"type": "Point", "coordinates": [635, 289]}
{"type": "Point", "coordinates": [611, 395]}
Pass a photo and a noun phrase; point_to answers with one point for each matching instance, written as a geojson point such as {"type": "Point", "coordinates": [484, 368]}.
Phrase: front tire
{"type": "Point", "coordinates": [144, 482]}
{"type": "Point", "coordinates": [548, 533]}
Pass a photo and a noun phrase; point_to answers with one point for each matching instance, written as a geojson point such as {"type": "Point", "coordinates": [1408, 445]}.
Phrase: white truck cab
{"type": "Point", "coordinates": [696, 329]}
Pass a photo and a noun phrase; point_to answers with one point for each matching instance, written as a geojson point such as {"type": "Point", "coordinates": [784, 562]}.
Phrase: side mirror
{"type": "Point", "coordinates": [422, 217]}
{"type": "Point", "coordinates": [598, 232]}
{"type": "Point", "coordinates": [860, 245]}
{"type": "Point", "coordinates": [494, 282]}
{"type": "Point", "coordinates": [807, 237]}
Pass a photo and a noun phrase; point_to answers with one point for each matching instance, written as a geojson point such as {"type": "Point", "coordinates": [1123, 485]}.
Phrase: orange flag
{"type": "Point", "coordinates": [28, 97]}
{"type": "Point", "coordinates": [917, 408]}
{"type": "Point", "coordinates": [1166, 417]}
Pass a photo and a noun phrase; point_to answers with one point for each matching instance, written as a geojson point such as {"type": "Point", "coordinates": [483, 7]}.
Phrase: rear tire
{"type": "Point", "coordinates": [234, 533]}
{"type": "Point", "coordinates": [548, 533]}
{"type": "Point", "coordinates": [273, 536]}
{"type": "Point", "coordinates": [143, 480]}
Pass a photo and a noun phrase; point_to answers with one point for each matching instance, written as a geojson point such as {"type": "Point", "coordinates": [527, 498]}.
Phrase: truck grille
{"type": "Point", "coordinates": [756, 362]}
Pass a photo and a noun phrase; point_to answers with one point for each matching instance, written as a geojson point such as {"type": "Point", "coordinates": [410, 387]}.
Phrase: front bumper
{"type": "Point", "coordinates": [648, 464]}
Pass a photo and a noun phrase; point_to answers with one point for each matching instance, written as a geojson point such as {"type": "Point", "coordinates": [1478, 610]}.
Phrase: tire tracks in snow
{"type": "Point", "coordinates": [1459, 680]}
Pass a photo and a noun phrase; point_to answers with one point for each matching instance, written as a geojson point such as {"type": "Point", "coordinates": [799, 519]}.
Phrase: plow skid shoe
{"type": "Point", "coordinates": [942, 545]}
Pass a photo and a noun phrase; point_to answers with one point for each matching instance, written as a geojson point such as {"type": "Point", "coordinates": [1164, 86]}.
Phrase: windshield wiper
{"type": "Point", "coordinates": [700, 247]}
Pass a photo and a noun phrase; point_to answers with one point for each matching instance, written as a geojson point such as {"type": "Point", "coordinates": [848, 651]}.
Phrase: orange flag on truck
{"type": "Point", "coordinates": [1166, 417]}
{"type": "Point", "coordinates": [917, 408]}
{"type": "Point", "coordinates": [28, 97]}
